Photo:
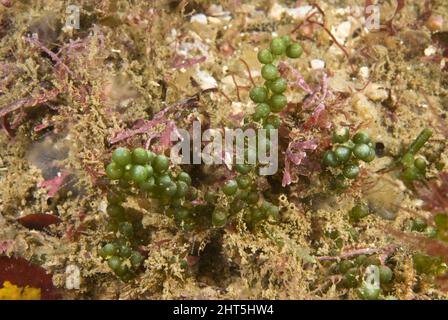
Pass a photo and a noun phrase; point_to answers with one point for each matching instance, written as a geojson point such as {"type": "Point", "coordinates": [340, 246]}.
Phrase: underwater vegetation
{"type": "Point", "coordinates": [94, 206]}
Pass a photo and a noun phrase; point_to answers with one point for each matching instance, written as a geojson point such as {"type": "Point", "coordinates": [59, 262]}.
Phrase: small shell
{"type": "Point", "coordinates": [384, 198]}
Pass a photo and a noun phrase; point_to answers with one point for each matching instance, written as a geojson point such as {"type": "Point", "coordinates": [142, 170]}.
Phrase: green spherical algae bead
{"type": "Point", "coordinates": [277, 102]}
{"type": "Point", "coordinates": [362, 151]}
{"type": "Point", "coordinates": [122, 156]}
{"type": "Point", "coordinates": [185, 177]}
{"type": "Point", "coordinates": [262, 110]}
{"type": "Point", "coordinates": [269, 72]}
{"type": "Point", "coordinates": [268, 127]}
{"type": "Point", "coordinates": [160, 163]}
{"type": "Point", "coordinates": [125, 252]}
{"type": "Point", "coordinates": [350, 144]}
{"type": "Point", "coordinates": [163, 181]}
{"type": "Point", "coordinates": [361, 137]}
{"type": "Point", "coordinates": [273, 212]}
{"type": "Point", "coordinates": [148, 185]}
{"type": "Point", "coordinates": [139, 173]}
{"type": "Point", "coordinates": [420, 164]}
{"type": "Point", "coordinates": [114, 171]}
{"type": "Point", "coordinates": [361, 260]}
{"type": "Point", "coordinates": [182, 189]}
{"type": "Point", "coordinates": [342, 154]}
{"type": "Point", "coordinates": [371, 156]}
{"type": "Point", "coordinates": [359, 211]}
{"type": "Point", "coordinates": [122, 270]}
{"type": "Point", "coordinates": [265, 206]}
{"type": "Point", "coordinates": [150, 170]}
{"type": "Point", "coordinates": [329, 159]}
{"type": "Point", "coordinates": [139, 156]}
{"type": "Point", "coordinates": [277, 46]}
{"type": "Point", "coordinates": [294, 51]}
{"type": "Point", "coordinates": [267, 83]}
{"type": "Point", "coordinates": [108, 250]}
{"type": "Point", "coordinates": [115, 211]}
{"type": "Point", "coordinates": [265, 56]}
{"type": "Point", "coordinates": [243, 182]}
{"type": "Point", "coordinates": [351, 171]}
{"type": "Point", "coordinates": [273, 120]}
{"type": "Point", "coordinates": [386, 274]}
{"type": "Point", "coordinates": [341, 135]}
{"type": "Point", "coordinates": [286, 40]}
{"type": "Point", "coordinates": [211, 197]}
{"type": "Point", "coordinates": [230, 187]}
{"type": "Point", "coordinates": [114, 262]}
{"type": "Point", "coordinates": [252, 197]}
{"type": "Point", "coordinates": [350, 279]}
{"type": "Point", "coordinates": [151, 155]}
{"type": "Point", "coordinates": [345, 265]}
{"type": "Point", "coordinates": [278, 85]}
{"type": "Point", "coordinates": [236, 206]}
{"type": "Point", "coordinates": [258, 94]}
{"type": "Point", "coordinates": [136, 259]}
{"type": "Point", "coordinates": [219, 218]}
{"type": "Point", "coordinates": [242, 168]}
{"type": "Point", "coordinates": [171, 190]}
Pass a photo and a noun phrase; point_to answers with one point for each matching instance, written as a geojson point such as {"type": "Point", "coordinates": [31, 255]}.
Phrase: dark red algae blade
{"type": "Point", "coordinates": [22, 273]}
{"type": "Point", "coordinates": [38, 221]}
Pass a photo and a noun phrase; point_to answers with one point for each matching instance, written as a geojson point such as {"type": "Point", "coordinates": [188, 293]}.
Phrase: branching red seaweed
{"type": "Point", "coordinates": [53, 185]}
{"type": "Point", "coordinates": [295, 153]}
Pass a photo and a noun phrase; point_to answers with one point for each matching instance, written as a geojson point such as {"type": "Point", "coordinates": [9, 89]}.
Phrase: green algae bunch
{"type": "Point", "coordinates": [241, 195]}
{"type": "Point", "coordinates": [365, 274]}
{"type": "Point", "coordinates": [270, 98]}
{"type": "Point", "coordinates": [145, 174]}
{"type": "Point", "coordinates": [122, 259]}
{"type": "Point", "coordinates": [149, 173]}
{"type": "Point", "coordinates": [414, 168]}
{"type": "Point", "coordinates": [121, 254]}
{"type": "Point", "coordinates": [347, 154]}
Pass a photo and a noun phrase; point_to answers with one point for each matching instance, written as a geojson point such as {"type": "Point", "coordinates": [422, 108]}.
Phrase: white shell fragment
{"type": "Point", "coordinates": [300, 13]}
{"type": "Point", "coordinates": [364, 72]}
{"type": "Point", "coordinates": [205, 80]}
{"type": "Point", "coordinates": [430, 51]}
{"type": "Point", "coordinates": [342, 31]}
{"type": "Point", "coordinates": [317, 64]}
{"type": "Point", "coordinates": [199, 18]}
